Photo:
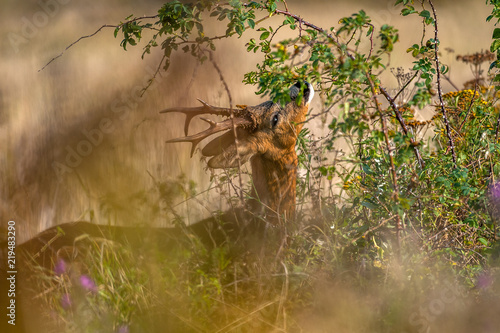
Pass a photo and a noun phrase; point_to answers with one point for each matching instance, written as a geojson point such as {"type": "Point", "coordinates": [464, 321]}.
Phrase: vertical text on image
{"type": "Point", "coordinates": [11, 272]}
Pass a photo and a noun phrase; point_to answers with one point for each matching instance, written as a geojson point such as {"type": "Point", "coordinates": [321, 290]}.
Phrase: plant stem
{"type": "Point", "coordinates": [401, 121]}
{"type": "Point", "coordinates": [235, 132]}
{"type": "Point", "coordinates": [395, 194]}
{"type": "Point", "coordinates": [95, 33]}
{"type": "Point", "coordinates": [451, 144]}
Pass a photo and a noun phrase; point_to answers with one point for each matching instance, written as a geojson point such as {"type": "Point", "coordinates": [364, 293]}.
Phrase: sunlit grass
{"type": "Point", "coordinates": [318, 285]}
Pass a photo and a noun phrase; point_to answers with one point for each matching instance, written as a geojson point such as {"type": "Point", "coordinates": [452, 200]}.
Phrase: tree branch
{"type": "Point", "coordinates": [451, 144]}
{"type": "Point", "coordinates": [95, 33]}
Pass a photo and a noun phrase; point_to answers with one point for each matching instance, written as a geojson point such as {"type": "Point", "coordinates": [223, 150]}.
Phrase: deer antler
{"type": "Point", "coordinates": [205, 109]}
{"type": "Point", "coordinates": [214, 128]}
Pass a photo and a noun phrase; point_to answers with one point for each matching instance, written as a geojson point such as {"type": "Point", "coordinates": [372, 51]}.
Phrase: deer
{"type": "Point", "coordinates": [264, 135]}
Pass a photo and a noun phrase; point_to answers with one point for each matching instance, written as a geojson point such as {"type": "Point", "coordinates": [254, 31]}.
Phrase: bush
{"type": "Point", "coordinates": [416, 210]}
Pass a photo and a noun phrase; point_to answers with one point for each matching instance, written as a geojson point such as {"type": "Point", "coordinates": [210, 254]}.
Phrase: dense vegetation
{"type": "Point", "coordinates": [407, 242]}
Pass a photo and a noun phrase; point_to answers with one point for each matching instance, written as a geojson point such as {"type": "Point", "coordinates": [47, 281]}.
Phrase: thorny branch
{"type": "Point", "coordinates": [451, 144]}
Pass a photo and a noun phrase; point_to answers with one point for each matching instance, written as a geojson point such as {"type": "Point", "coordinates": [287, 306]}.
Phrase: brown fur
{"type": "Point", "coordinates": [265, 140]}
{"type": "Point", "coordinates": [269, 144]}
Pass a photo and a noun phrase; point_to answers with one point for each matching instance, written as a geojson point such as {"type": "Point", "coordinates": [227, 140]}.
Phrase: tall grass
{"type": "Point", "coordinates": [131, 177]}
{"type": "Point", "coordinates": [45, 113]}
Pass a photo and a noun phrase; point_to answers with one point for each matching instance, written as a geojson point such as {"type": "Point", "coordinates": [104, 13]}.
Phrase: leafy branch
{"type": "Point", "coordinates": [389, 174]}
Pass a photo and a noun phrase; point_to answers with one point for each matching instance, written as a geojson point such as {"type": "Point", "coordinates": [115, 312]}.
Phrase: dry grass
{"type": "Point", "coordinates": [43, 114]}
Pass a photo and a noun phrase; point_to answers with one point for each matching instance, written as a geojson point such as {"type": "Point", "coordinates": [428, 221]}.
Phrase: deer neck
{"type": "Point", "coordinates": [274, 186]}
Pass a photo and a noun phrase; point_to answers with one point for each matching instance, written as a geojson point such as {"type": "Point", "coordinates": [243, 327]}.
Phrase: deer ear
{"type": "Point", "coordinates": [223, 150]}
{"type": "Point", "coordinates": [219, 144]}
{"type": "Point", "coordinates": [229, 158]}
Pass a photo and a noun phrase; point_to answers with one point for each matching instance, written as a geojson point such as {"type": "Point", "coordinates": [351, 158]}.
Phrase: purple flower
{"type": "Point", "coordinates": [495, 190]}
{"type": "Point", "coordinates": [484, 281]}
{"type": "Point", "coordinates": [60, 267]}
{"type": "Point", "coordinates": [495, 193]}
{"type": "Point", "coordinates": [87, 283]}
{"type": "Point", "coordinates": [65, 301]}
{"type": "Point", "coordinates": [123, 329]}
{"type": "Point", "coordinates": [494, 197]}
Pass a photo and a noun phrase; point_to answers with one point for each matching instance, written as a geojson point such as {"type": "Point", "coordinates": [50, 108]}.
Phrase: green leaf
{"type": "Point", "coordinates": [370, 30]}
{"type": "Point", "coordinates": [407, 11]}
{"type": "Point", "coordinates": [483, 241]}
{"type": "Point", "coordinates": [495, 45]}
{"type": "Point", "coordinates": [405, 203]}
{"type": "Point", "coordinates": [496, 33]}
{"type": "Point", "coordinates": [366, 169]}
{"type": "Point", "coordinates": [368, 204]}
{"type": "Point", "coordinates": [167, 64]}
{"type": "Point", "coordinates": [425, 14]}
{"type": "Point", "coordinates": [272, 7]}
{"type": "Point", "coordinates": [289, 20]}
{"type": "Point", "coordinates": [239, 29]}
{"type": "Point", "coordinates": [264, 35]}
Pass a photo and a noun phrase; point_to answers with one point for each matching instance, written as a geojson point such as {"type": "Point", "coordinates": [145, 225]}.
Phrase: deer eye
{"type": "Point", "coordinates": [275, 120]}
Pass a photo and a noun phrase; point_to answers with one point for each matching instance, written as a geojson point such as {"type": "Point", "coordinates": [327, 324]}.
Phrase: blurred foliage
{"type": "Point", "coordinates": [425, 203]}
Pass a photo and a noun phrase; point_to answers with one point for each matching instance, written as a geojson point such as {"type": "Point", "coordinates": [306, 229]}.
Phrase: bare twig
{"type": "Point", "coordinates": [451, 144]}
{"type": "Point", "coordinates": [249, 316]}
{"type": "Point", "coordinates": [378, 226]}
{"type": "Point", "coordinates": [226, 87]}
{"type": "Point", "coordinates": [152, 79]}
{"type": "Point", "coordinates": [309, 24]}
{"type": "Point", "coordinates": [286, 5]}
{"type": "Point", "coordinates": [371, 40]}
{"type": "Point", "coordinates": [333, 38]}
{"type": "Point", "coordinates": [447, 78]}
{"type": "Point", "coordinates": [95, 33]}
{"type": "Point", "coordinates": [405, 85]}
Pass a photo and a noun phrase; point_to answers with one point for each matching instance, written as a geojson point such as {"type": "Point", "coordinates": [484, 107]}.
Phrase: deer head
{"type": "Point", "coordinates": [266, 135]}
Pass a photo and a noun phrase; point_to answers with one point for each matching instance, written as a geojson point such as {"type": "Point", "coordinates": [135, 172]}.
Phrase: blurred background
{"type": "Point", "coordinates": [77, 142]}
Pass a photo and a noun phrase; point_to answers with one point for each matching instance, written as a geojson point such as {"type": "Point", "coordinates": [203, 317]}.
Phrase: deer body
{"type": "Point", "coordinates": [274, 187]}
{"type": "Point", "coordinates": [266, 133]}
{"type": "Point", "coordinates": [266, 137]}
{"type": "Point", "coordinates": [275, 174]}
